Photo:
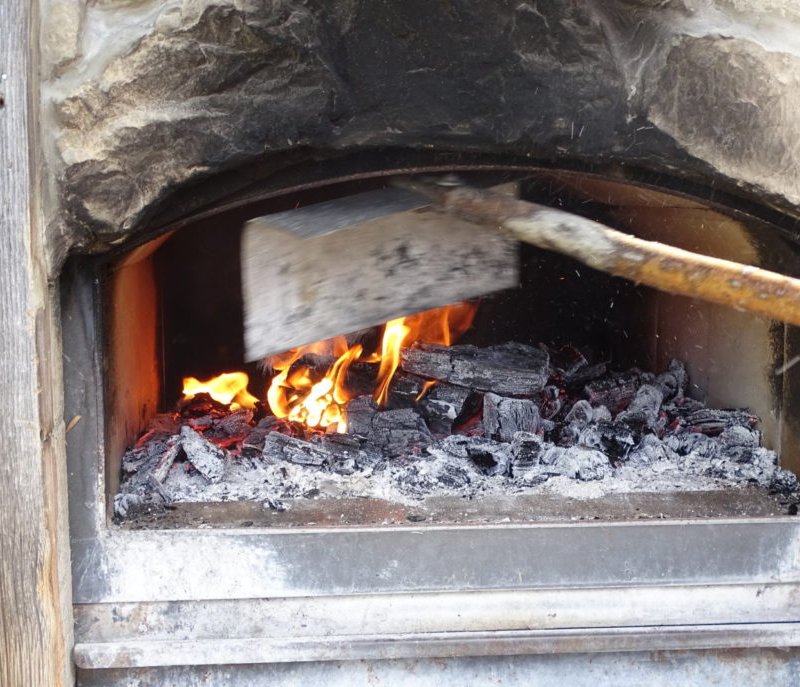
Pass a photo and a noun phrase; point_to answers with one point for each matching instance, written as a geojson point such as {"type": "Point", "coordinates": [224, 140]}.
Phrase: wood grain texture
{"type": "Point", "coordinates": [745, 288]}
{"type": "Point", "coordinates": [321, 271]}
{"type": "Point", "coordinates": [35, 622]}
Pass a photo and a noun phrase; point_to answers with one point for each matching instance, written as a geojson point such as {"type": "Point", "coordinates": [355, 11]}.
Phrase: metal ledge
{"type": "Point", "coordinates": [177, 565]}
{"type": "Point", "coordinates": [139, 654]}
{"type": "Point", "coordinates": [429, 625]}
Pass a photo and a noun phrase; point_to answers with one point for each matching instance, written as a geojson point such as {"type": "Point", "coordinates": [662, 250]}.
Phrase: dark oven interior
{"type": "Point", "coordinates": [173, 307]}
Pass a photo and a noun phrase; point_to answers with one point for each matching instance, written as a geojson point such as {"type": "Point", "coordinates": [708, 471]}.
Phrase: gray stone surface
{"type": "Point", "coordinates": [734, 104]}
{"type": "Point", "coordinates": [156, 97]}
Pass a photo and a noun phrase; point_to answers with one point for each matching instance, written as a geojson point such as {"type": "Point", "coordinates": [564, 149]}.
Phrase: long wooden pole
{"type": "Point", "coordinates": [661, 266]}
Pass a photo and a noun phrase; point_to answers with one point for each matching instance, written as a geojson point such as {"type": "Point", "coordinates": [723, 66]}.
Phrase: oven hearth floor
{"type": "Point", "coordinates": [498, 509]}
{"type": "Point", "coordinates": [555, 436]}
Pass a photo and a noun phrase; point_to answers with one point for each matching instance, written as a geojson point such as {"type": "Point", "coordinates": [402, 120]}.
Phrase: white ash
{"type": "Point", "coordinates": [623, 432]}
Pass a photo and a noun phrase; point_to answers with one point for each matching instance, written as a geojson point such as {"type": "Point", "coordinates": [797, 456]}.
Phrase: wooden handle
{"type": "Point", "coordinates": [655, 264]}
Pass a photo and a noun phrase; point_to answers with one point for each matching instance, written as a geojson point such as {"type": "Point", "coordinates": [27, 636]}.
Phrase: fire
{"type": "Point", "coordinates": [229, 388]}
{"type": "Point", "coordinates": [295, 395]}
{"type": "Point", "coordinates": [301, 393]}
{"type": "Point", "coordinates": [440, 326]}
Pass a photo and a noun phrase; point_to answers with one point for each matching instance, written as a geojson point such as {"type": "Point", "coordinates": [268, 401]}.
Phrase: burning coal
{"type": "Point", "coordinates": [405, 411]}
{"type": "Point", "coordinates": [417, 415]}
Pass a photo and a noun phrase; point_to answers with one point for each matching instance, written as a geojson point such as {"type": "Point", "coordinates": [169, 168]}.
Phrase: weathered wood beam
{"type": "Point", "coordinates": [35, 610]}
{"type": "Point", "coordinates": [355, 262]}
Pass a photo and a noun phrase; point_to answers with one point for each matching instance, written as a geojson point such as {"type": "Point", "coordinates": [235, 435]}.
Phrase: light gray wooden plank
{"type": "Point", "coordinates": [314, 275]}
{"type": "Point", "coordinates": [35, 621]}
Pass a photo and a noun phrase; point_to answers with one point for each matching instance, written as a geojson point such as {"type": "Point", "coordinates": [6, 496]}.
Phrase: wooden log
{"type": "Point", "coordinates": [510, 369]}
{"type": "Point", "coordinates": [526, 452]}
{"type": "Point", "coordinates": [297, 451]}
{"type": "Point", "coordinates": [209, 460]}
{"type": "Point", "coordinates": [673, 270]}
{"type": "Point", "coordinates": [35, 582]}
{"type": "Point", "coordinates": [394, 432]}
{"type": "Point", "coordinates": [440, 405]}
{"type": "Point", "coordinates": [489, 456]}
{"type": "Point", "coordinates": [397, 432]}
{"type": "Point", "coordinates": [303, 270]}
{"type": "Point", "coordinates": [359, 379]}
{"type": "Point", "coordinates": [614, 392]}
{"type": "Point", "coordinates": [162, 467]}
{"type": "Point", "coordinates": [503, 417]}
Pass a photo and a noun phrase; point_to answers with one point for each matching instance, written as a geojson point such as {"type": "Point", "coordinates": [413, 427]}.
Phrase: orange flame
{"type": "Point", "coordinates": [440, 326]}
{"type": "Point", "coordinates": [229, 388]}
{"type": "Point", "coordinates": [294, 394]}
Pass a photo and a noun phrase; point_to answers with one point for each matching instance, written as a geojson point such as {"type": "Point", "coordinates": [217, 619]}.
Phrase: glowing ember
{"type": "Point", "coordinates": [229, 388]}
{"type": "Point", "coordinates": [294, 395]}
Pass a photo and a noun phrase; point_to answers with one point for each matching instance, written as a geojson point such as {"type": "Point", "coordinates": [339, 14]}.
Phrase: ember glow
{"type": "Point", "coordinates": [316, 397]}
{"type": "Point", "coordinates": [229, 388]}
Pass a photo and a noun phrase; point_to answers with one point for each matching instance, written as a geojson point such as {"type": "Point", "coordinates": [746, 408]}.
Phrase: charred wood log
{"type": "Point", "coordinates": [163, 466]}
{"type": "Point", "coordinates": [616, 391]}
{"type": "Point", "coordinates": [526, 453]}
{"type": "Point", "coordinates": [442, 404]}
{"type": "Point", "coordinates": [643, 411]}
{"type": "Point", "coordinates": [359, 378]}
{"type": "Point", "coordinates": [511, 369]}
{"type": "Point", "coordinates": [488, 456]}
{"type": "Point", "coordinates": [394, 432]}
{"type": "Point", "coordinates": [207, 458]}
{"type": "Point", "coordinates": [503, 417]}
{"type": "Point", "coordinates": [297, 451]}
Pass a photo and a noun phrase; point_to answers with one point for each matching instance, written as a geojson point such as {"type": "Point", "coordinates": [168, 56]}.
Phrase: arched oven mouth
{"type": "Point", "coordinates": [584, 396]}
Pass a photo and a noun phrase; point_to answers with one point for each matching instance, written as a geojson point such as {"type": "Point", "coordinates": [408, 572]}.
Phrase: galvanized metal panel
{"type": "Point", "coordinates": [227, 564]}
{"type": "Point", "coordinates": [751, 667]}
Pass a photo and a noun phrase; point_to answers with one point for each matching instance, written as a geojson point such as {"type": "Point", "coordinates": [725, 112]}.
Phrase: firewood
{"type": "Point", "coordinates": [441, 405]}
{"type": "Point", "coordinates": [209, 460]}
{"type": "Point", "coordinates": [280, 446]}
{"type": "Point", "coordinates": [670, 269]}
{"type": "Point", "coordinates": [510, 369]}
{"type": "Point", "coordinates": [503, 417]}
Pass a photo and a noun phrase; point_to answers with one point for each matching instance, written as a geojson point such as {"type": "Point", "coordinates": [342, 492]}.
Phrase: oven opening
{"type": "Point", "coordinates": [568, 394]}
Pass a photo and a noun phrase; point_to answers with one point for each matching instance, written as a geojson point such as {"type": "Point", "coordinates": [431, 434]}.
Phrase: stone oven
{"type": "Point", "coordinates": [166, 127]}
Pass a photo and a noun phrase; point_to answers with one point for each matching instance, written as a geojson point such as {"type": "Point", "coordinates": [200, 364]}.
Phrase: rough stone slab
{"type": "Point", "coordinates": [160, 101]}
{"type": "Point", "coordinates": [510, 369]}
{"type": "Point", "coordinates": [742, 81]}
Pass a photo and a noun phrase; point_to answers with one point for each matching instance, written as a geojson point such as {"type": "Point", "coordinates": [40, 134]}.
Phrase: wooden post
{"type": "Point", "coordinates": [35, 610]}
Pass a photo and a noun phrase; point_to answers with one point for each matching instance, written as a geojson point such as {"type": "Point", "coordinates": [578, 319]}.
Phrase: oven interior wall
{"type": "Point", "coordinates": [175, 309]}
{"type": "Point", "coordinates": [734, 359]}
{"type": "Point", "coordinates": [133, 360]}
